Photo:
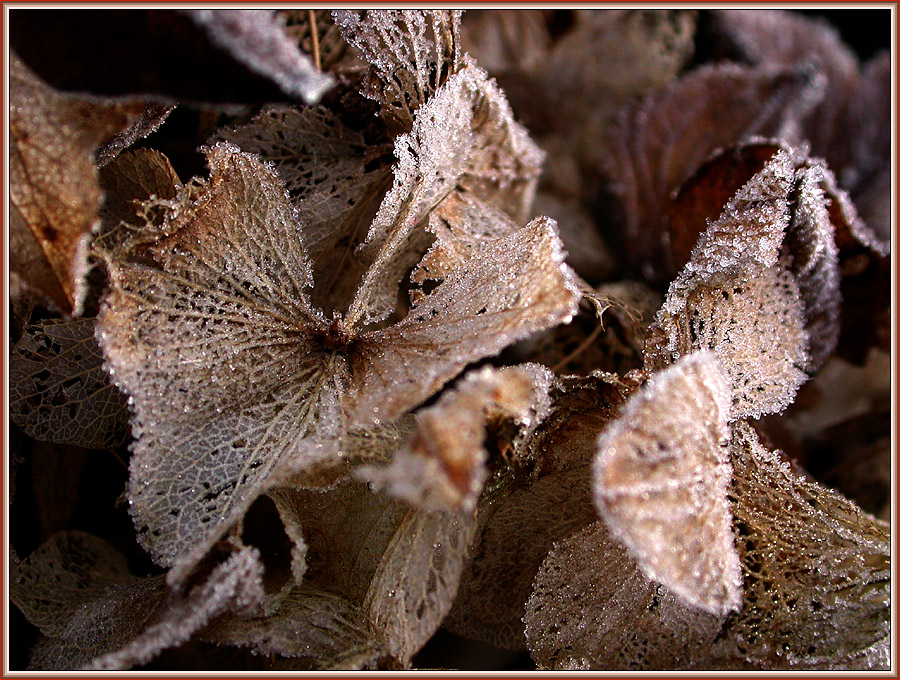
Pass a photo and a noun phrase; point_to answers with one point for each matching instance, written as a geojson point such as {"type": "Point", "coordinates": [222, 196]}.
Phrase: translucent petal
{"type": "Point", "coordinates": [59, 391]}
{"type": "Point", "coordinates": [593, 609]}
{"type": "Point", "coordinates": [660, 481]}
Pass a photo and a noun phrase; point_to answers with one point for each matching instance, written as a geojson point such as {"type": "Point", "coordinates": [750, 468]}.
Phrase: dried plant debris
{"type": "Point", "coordinates": [94, 613]}
{"type": "Point", "coordinates": [443, 466]}
{"type": "Point", "coordinates": [592, 608]}
{"type": "Point", "coordinates": [661, 478]}
{"type": "Point", "coordinates": [59, 391]}
{"type": "Point", "coordinates": [235, 55]}
{"type": "Point", "coordinates": [54, 193]}
{"type": "Point", "coordinates": [816, 570]}
{"type": "Point", "coordinates": [557, 331]}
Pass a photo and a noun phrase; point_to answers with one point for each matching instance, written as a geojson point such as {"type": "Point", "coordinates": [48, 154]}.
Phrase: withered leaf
{"type": "Point", "coordinates": [660, 141]}
{"type": "Point", "coordinates": [77, 589]}
{"type": "Point", "coordinates": [397, 565]}
{"type": "Point", "coordinates": [443, 465]}
{"type": "Point", "coordinates": [234, 55]}
{"type": "Point", "coordinates": [224, 356]}
{"type": "Point", "coordinates": [318, 628]}
{"type": "Point", "coordinates": [412, 53]}
{"type": "Point", "coordinates": [808, 242]}
{"type": "Point", "coordinates": [660, 481]}
{"type": "Point", "coordinates": [816, 570]}
{"type": "Point", "coordinates": [53, 188]}
{"type": "Point", "coordinates": [541, 495]}
{"type": "Point", "coordinates": [59, 391]}
{"type": "Point", "coordinates": [736, 298]}
{"type": "Point", "coordinates": [593, 609]}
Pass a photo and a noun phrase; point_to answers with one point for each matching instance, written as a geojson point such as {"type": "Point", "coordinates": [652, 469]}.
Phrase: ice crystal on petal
{"type": "Point", "coordinates": [593, 609]}
{"type": "Point", "coordinates": [736, 298]}
{"type": "Point", "coordinates": [816, 570]}
{"type": "Point", "coordinates": [660, 479]}
{"type": "Point", "coordinates": [412, 54]}
{"type": "Point", "coordinates": [443, 465]}
{"type": "Point", "coordinates": [59, 391]}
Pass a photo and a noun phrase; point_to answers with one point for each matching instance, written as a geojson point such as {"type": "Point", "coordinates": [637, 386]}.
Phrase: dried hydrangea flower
{"type": "Point", "coordinates": [213, 318]}
{"type": "Point", "coordinates": [661, 476]}
{"type": "Point", "coordinates": [540, 494]}
{"type": "Point", "coordinates": [94, 613]}
{"type": "Point", "coordinates": [54, 193]}
{"type": "Point", "coordinates": [411, 52]}
{"type": "Point", "coordinates": [593, 609]}
{"type": "Point", "coordinates": [59, 391]}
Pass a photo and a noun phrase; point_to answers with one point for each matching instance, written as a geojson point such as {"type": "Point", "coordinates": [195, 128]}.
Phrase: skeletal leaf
{"type": "Point", "coordinates": [465, 135]}
{"type": "Point", "coordinates": [735, 298]}
{"type": "Point", "coordinates": [54, 193]}
{"type": "Point", "coordinates": [660, 481]}
{"type": "Point", "coordinates": [775, 189]}
{"type": "Point", "coordinates": [215, 349]}
{"type": "Point", "coordinates": [593, 609]}
{"type": "Point", "coordinates": [77, 589]}
{"type": "Point", "coordinates": [540, 496]}
{"type": "Point", "coordinates": [816, 570]}
{"type": "Point", "coordinates": [398, 565]}
{"type": "Point", "coordinates": [235, 584]}
{"type": "Point", "coordinates": [59, 391]}
{"type": "Point", "coordinates": [443, 465]}
{"type": "Point", "coordinates": [323, 164]}
{"type": "Point", "coordinates": [314, 32]}
{"type": "Point", "coordinates": [518, 285]}
{"type": "Point", "coordinates": [710, 108]}
{"type": "Point", "coordinates": [412, 53]}
{"type": "Point", "coordinates": [318, 628]}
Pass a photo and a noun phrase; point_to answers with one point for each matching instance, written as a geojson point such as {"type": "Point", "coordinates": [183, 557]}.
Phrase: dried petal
{"type": "Point", "coordinates": [735, 298]}
{"type": "Point", "coordinates": [443, 465]}
{"type": "Point", "coordinates": [319, 628]}
{"type": "Point", "coordinates": [660, 481]}
{"type": "Point", "coordinates": [816, 570]}
{"type": "Point", "coordinates": [399, 565]}
{"type": "Point", "coordinates": [53, 183]}
{"type": "Point", "coordinates": [593, 609]}
{"type": "Point", "coordinates": [541, 496]}
{"type": "Point", "coordinates": [518, 285]}
{"type": "Point", "coordinates": [657, 144]}
{"type": "Point", "coordinates": [59, 391]}
{"type": "Point", "coordinates": [412, 54]}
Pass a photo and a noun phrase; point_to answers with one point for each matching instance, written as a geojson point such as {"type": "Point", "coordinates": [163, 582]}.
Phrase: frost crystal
{"type": "Point", "coordinates": [660, 481]}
